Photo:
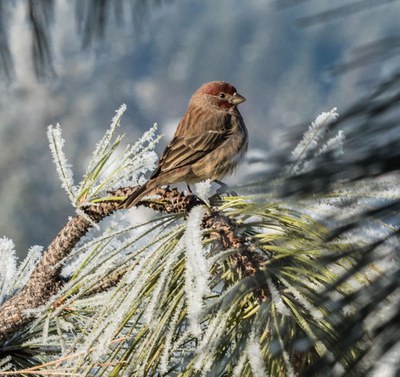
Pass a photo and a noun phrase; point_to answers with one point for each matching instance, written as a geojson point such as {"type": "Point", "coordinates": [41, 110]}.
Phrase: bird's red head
{"type": "Point", "coordinates": [216, 87]}
{"type": "Point", "coordinates": [221, 94]}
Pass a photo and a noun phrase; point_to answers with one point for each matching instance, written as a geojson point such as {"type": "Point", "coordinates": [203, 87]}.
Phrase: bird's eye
{"type": "Point", "coordinates": [221, 95]}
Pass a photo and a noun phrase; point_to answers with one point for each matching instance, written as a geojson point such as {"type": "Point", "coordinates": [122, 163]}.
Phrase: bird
{"type": "Point", "coordinates": [209, 142]}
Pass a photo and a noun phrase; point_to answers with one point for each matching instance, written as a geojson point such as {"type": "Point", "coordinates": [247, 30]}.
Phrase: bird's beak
{"type": "Point", "coordinates": [236, 99]}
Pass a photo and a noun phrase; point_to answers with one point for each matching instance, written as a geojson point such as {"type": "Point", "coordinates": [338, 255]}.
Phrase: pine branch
{"type": "Point", "coordinates": [246, 262]}
{"type": "Point", "coordinates": [45, 279]}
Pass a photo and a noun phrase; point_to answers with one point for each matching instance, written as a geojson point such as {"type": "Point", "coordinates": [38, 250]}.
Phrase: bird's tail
{"type": "Point", "coordinates": [135, 197]}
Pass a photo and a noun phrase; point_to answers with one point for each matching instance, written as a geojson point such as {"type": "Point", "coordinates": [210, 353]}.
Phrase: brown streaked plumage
{"type": "Point", "coordinates": [209, 142]}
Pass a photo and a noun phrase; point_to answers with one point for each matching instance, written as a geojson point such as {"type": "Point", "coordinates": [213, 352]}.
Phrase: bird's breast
{"type": "Point", "coordinates": [224, 159]}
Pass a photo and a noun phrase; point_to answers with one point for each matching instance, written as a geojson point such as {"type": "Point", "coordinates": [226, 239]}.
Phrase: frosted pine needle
{"type": "Point", "coordinates": [160, 288]}
{"type": "Point", "coordinates": [276, 298]}
{"type": "Point", "coordinates": [7, 267]}
{"type": "Point", "coordinates": [111, 167]}
{"type": "Point", "coordinates": [56, 143]}
{"type": "Point", "coordinates": [203, 189]}
{"type": "Point", "coordinates": [45, 331]}
{"type": "Point", "coordinates": [168, 339]}
{"type": "Point", "coordinates": [311, 137]}
{"type": "Point", "coordinates": [334, 144]}
{"type": "Point", "coordinates": [103, 144]}
{"type": "Point", "coordinates": [197, 269]}
{"type": "Point", "coordinates": [5, 364]}
{"type": "Point", "coordinates": [206, 348]}
{"type": "Point", "coordinates": [316, 314]}
{"type": "Point", "coordinates": [237, 372]}
{"type": "Point", "coordinates": [26, 267]}
{"type": "Point", "coordinates": [255, 357]}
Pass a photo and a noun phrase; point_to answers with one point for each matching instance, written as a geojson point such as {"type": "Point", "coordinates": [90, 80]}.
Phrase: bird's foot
{"type": "Point", "coordinates": [224, 189]}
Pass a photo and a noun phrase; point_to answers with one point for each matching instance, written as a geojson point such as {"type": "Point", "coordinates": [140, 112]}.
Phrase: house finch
{"type": "Point", "coordinates": [209, 142]}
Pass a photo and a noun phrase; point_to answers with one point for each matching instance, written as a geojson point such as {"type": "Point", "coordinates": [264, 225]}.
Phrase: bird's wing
{"type": "Point", "coordinates": [184, 151]}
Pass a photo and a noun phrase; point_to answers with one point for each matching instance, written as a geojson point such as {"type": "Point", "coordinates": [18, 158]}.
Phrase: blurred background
{"type": "Point", "coordinates": [76, 62]}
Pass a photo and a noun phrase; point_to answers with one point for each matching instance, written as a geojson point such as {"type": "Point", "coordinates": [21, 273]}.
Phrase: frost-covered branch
{"type": "Point", "coordinates": [45, 278]}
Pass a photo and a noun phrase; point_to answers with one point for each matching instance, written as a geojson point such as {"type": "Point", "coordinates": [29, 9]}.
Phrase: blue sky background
{"type": "Point", "coordinates": [285, 70]}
